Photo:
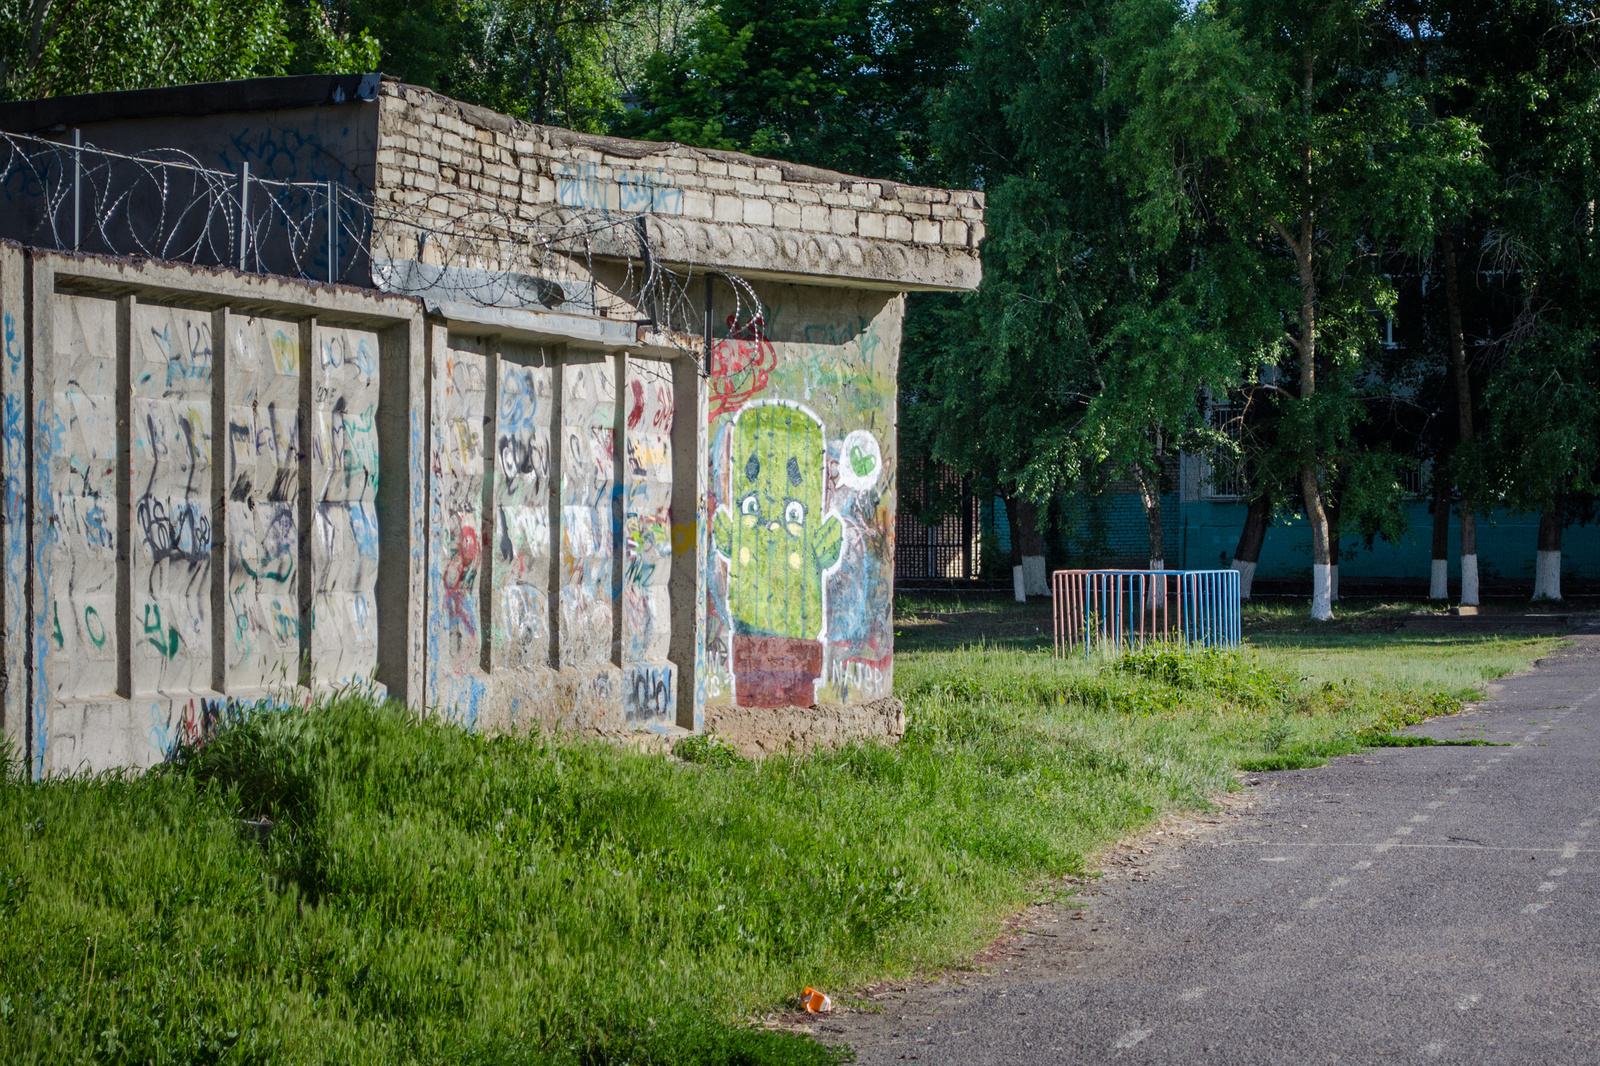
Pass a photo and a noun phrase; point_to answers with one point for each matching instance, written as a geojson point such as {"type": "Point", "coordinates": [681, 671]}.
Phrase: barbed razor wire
{"type": "Point", "coordinates": [163, 204]}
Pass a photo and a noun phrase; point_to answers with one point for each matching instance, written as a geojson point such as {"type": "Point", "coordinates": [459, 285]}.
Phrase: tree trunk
{"type": "Point", "coordinates": [1251, 538]}
{"type": "Point", "coordinates": [1150, 496]}
{"type": "Point", "coordinates": [1439, 580]}
{"type": "Point", "coordinates": [1306, 345]}
{"type": "Point", "coordinates": [1333, 553]}
{"type": "Point", "coordinates": [1547, 570]}
{"type": "Point", "coordinates": [1458, 369]}
{"type": "Point", "coordinates": [1027, 549]}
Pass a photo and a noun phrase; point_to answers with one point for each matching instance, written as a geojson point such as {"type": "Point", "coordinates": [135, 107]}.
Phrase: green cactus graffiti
{"type": "Point", "coordinates": [777, 541]}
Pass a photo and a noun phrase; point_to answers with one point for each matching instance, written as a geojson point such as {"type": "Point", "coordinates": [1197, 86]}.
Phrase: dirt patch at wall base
{"type": "Point", "coordinates": [760, 731]}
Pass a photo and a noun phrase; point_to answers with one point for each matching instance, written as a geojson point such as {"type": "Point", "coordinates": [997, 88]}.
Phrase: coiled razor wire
{"type": "Point", "coordinates": [165, 205]}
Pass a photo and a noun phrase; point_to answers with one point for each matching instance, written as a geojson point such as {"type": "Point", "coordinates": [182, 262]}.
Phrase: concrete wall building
{"type": "Point", "coordinates": [585, 433]}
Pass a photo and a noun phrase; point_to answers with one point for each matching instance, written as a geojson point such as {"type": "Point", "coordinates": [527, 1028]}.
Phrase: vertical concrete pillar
{"type": "Point", "coordinates": [488, 576]}
{"type": "Point", "coordinates": [686, 586]}
{"type": "Point", "coordinates": [123, 494]}
{"type": "Point", "coordinates": [305, 586]}
{"type": "Point", "coordinates": [14, 506]}
{"type": "Point", "coordinates": [401, 503]}
{"type": "Point", "coordinates": [40, 563]}
{"type": "Point", "coordinates": [222, 526]}
{"type": "Point", "coordinates": [558, 465]}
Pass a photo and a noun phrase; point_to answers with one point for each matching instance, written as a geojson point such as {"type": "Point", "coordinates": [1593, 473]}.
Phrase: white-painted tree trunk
{"type": "Point", "coordinates": [1158, 586]}
{"type": "Point", "coordinates": [1469, 580]}
{"type": "Point", "coordinates": [1035, 581]}
{"type": "Point", "coordinates": [1547, 576]}
{"type": "Point", "coordinates": [1321, 592]}
{"type": "Point", "coordinates": [1018, 586]}
{"type": "Point", "coordinates": [1439, 584]}
{"type": "Point", "coordinates": [1247, 576]}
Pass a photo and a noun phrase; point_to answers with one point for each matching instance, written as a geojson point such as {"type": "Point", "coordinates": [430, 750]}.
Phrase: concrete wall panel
{"type": "Point", "coordinates": [75, 483]}
{"type": "Point", "coordinates": [459, 387]}
{"type": "Point", "coordinates": [650, 681]}
{"type": "Point", "coordinates": [520, 570]}
{"type": "Point", "coordinates": [588, 485]}
{"type": "Point", "coordinates": [344, 484]}
{"type": "Point", "coordinates": [551, 564]}
{"type": "Point", "coordinates": [171, 558]}
{"type": "Point", "coordinates": [170, 641]}
{"type": "Point", "coordinates": [262, 626]}
{"type": "Point", "coordinates": [800, 561]}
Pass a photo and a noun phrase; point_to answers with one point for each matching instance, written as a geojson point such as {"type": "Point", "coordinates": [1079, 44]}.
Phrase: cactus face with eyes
{"type": "Point", "coordinates": [777, 541]}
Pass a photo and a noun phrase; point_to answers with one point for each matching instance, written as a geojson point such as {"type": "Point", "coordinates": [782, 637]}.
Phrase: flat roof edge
{"type": "Point", "coordinates": [206, 98]}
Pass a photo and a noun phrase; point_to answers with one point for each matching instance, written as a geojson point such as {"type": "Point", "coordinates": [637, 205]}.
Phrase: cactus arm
{"type": "Point", "coordinates": [828, 542]}
{"type": "Point", "coordinates": [722, 533]}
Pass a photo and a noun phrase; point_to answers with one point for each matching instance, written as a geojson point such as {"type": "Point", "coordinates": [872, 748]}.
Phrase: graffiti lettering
{"type": "Point", "coordinates": [166, 644]}
{"type": "Point", "coordinates": [94, 626]}
{"type": "Point", "coordinates": [741, 366]}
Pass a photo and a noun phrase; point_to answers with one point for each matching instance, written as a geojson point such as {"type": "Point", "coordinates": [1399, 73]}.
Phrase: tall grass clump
{"type": "Point", "coordinates": [355, 885]}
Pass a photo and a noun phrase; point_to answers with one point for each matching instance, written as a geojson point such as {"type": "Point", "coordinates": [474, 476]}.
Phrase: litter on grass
{"type": "Point", "coordinates": [816, 1002]}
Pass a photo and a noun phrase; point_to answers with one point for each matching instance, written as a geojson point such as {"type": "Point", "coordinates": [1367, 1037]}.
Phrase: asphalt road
{"type": "Point", "coordinates": [1406, 905]}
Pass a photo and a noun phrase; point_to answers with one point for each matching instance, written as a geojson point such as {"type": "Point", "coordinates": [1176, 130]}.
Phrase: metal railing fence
{"type": "Point", "coordinates": [1119, 609]}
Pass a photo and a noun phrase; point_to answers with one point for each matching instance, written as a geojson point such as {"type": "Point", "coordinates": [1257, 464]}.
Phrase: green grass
{"type": "Point", "coordinates": [430, 896]}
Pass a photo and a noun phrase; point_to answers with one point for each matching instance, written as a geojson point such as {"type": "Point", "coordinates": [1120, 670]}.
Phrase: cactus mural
{"type": "Point", "coordinates": [800, 413]}
{"type": "Point", "coordinates": [778, 542]}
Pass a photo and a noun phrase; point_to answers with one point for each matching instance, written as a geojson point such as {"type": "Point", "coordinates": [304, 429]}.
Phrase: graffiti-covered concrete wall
{"type": "Point", "coordinates": [560, 499]}
{"type": "Point", "coordinates": [193, 501]}
{"type": "Point", "coordinates": [801, 425]}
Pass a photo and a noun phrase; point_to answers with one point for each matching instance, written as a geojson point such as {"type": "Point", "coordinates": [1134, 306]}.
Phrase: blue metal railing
{"type": "Point", "coordinates": [1119, 609]}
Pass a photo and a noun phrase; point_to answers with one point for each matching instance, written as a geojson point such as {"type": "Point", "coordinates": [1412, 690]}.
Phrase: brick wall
{"type": "Point", "coordinates": [451, 159]}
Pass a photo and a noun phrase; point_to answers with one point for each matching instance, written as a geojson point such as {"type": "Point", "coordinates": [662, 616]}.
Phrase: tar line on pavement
{"type": "Point", "coordinates": [1431, 904]}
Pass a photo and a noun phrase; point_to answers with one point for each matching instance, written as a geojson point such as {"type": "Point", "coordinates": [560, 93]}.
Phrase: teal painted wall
{"type": "Point", "coordinates": [1506, 546]}
{"type": "Point", "coordinates": [1202, 535]}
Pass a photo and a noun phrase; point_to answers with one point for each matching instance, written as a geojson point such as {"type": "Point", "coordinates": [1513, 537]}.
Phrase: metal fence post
{"type": "Point", "coordinates": [244, 212]}
{"type": "Point", "coordinates": [705, 371]}
{"type": "Point", "coordinates": [333, 233]}
{"type": "Point", "coordinates": [77, 190]}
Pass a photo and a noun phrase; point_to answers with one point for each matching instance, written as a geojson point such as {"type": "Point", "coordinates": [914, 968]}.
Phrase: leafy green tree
{"type": "Point", "coordinates": [1284, 125]}
{"type": "Point", "coordinates": [1089, 351]}
{"type": "Point", "coordinates": [1530, 73]}
{"type": "Point", "coordinates": [57, 47]}
{"type": "Point", "coordinates": [848, 84]}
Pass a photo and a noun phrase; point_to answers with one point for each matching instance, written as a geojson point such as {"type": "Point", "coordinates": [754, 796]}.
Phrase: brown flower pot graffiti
{"type": "Point", "coordinates": [776, 671]}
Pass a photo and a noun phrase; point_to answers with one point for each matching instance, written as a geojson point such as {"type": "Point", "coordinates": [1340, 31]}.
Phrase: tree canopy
{"type": "Point", "coordinates": [1363, 231]}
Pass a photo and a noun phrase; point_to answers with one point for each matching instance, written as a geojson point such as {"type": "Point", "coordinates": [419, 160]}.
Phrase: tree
{"type": "Point", "coordinates": [568, 62]}
{"type": "Point", "coordinates": [847, 84]}
{"type": "Point", "coordinates": [1088, 352]}
{"type": "Point", "coordinates": [1281, 124]}
{"type": "Point", "coordinates": [1530, 74]}
{"type": "Point", "coordinates": [57, 47]}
